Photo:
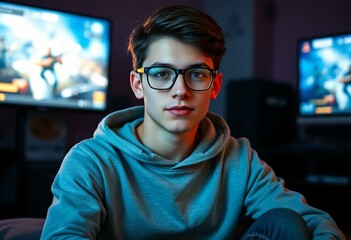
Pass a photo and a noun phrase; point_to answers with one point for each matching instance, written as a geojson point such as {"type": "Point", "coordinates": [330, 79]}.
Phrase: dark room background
{"type": "Point", "coordinates": [261, 40]}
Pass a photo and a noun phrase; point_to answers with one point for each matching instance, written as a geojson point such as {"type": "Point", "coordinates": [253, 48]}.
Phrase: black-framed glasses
{"type": "Point", "coordinates": [163, 77]}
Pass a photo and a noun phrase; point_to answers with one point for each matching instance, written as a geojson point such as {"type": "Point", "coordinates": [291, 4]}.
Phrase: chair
{"type": "Point", "coordinates": [21, 228]}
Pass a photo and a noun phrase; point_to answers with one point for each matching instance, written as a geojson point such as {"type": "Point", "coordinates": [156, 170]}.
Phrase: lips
{"type": "Point", "coordinates": [180, 110]}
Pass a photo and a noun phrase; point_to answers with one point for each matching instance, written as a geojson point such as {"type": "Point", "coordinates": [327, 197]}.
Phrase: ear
{"type": "Point", "coordinates": [136, 84]}
{"type": "Point", "coordinates": [216, 86]}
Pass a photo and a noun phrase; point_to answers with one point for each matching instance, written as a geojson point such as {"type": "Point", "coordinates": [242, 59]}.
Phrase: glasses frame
{"type": "Point", "coordinates": [177, 72]}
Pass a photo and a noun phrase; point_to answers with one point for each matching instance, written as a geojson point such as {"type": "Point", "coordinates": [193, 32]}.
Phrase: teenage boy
{"type": "Point", "coordinates": [170, 169]}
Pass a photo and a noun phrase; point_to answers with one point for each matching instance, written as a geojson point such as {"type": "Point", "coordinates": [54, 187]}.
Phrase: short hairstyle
{"type": "Point", "coordinates": [187, 24]}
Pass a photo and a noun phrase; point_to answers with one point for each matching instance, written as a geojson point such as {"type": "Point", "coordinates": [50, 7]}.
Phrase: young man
{"type": "Point", "coordinates": [170, 169]}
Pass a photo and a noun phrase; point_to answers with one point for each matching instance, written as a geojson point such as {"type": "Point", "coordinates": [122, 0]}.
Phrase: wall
{"type": "Point", "coordinates": [264, 23]}
{"type": "Point", "coordinates": [236, 19]}
{"type": "Point", "coordinates": [297, 19]}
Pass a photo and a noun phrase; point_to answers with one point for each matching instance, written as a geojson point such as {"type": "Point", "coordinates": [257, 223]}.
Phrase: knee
{"type": "Point", "coordinates": [285, 216]}
{"type": "Point", "coordinates": [279, 223]}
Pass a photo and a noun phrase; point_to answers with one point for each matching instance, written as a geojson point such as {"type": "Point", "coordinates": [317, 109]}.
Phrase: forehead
{"type": "Point", "coordinates": [171, 51]}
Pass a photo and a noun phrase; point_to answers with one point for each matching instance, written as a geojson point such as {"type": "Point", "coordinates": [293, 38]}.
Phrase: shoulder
{"type": "Point", "coordinates": [238, 155]}
{"type": "Point", "coordinates": [93, 146]}
{"type": "Point", "coordinates": [239, 146]}
{"type": "Point", "coordinates": [90, 154]}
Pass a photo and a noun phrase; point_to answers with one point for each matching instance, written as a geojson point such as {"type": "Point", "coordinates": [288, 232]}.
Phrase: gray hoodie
{"type": "Point", "coordinates": [113, 187]}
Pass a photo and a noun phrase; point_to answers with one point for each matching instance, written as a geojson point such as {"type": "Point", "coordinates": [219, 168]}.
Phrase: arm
{"type": "Point", "coordinates": [266, 191]}
{"type": "Point", "coordinates": [77, 209]}
{"type": "Point", "coordinates": [50, 61]}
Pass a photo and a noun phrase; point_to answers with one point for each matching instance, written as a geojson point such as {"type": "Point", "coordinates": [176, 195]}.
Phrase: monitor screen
{"type": "Point", "coordinates": [53, 59]}
{"type": "Point", "coordinates": [324, 78]}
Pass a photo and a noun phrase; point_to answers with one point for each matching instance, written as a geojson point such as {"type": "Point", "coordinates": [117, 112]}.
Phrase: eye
{"type": "Point", "coordinates": [199, 74]}
{"type": "Point", "coordinates": [161, 73]}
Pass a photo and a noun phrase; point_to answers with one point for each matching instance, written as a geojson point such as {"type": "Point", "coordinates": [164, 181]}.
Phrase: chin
{"type": "Point", "coordinates": [181, 128]}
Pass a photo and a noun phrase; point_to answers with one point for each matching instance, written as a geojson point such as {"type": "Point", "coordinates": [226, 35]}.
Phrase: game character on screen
{"type": "Point", "coordinates": [170, 169]}
{"type": "Point", "coordinates": [47, 63]}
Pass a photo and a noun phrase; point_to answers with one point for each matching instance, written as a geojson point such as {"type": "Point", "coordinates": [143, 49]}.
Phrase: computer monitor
{"type": "Point", "coordinates": [53, 59]}
{"type": "Point", "coordinates": [324, 79]}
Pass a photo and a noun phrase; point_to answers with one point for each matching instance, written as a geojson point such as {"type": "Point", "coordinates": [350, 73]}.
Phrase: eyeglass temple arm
{"type": "Point", "coordinates": [140, 70]}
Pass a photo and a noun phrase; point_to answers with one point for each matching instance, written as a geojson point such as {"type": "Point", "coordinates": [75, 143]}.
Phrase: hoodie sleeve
{"type": "Point", "coordinates": [266, 191]}
{"type": "Point", "coordinates": [77, 210]}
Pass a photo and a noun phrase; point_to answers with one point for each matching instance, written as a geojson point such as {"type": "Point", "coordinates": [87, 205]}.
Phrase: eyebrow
{"type": "Point", "coordinates": [173, 66]}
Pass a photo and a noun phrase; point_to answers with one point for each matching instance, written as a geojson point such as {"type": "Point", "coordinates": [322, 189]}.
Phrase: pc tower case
{"type": "Point", "coordinates": [262, 111]}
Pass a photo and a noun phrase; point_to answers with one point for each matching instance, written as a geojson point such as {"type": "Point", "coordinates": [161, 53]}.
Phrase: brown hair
{"type": "Point", "coordinates": [188, 25]}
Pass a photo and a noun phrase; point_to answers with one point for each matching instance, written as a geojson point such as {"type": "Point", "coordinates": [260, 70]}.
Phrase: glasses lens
{"type": "Point", "coordinates": [161, 77]}
{"type": "Point", "coordinates": [198, 78]}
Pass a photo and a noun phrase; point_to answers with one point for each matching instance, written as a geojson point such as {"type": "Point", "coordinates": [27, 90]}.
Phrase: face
{"type": "Point", "coordinates": [179, 109]}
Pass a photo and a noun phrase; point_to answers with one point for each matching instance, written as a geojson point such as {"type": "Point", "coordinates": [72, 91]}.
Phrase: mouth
{"type": "Point", "coordinates": [180, 110]}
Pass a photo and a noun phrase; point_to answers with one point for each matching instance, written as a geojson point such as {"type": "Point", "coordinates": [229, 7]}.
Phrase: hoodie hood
{"type": "Point", "coordinates": [119, 129]}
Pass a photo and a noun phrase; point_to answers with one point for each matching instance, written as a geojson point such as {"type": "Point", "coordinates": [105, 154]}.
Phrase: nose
{"type": "Point", "coordinates": [180, 89]}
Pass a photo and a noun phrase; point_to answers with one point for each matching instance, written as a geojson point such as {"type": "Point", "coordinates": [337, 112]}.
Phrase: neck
{"type": "Point", "coordinates": [172, 146]}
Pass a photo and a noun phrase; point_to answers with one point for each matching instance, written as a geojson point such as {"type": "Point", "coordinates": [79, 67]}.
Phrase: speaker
{"type": "Point", "coordinates": [45, 137]}
{"type": "Point", "coordinates": [262, 111]}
